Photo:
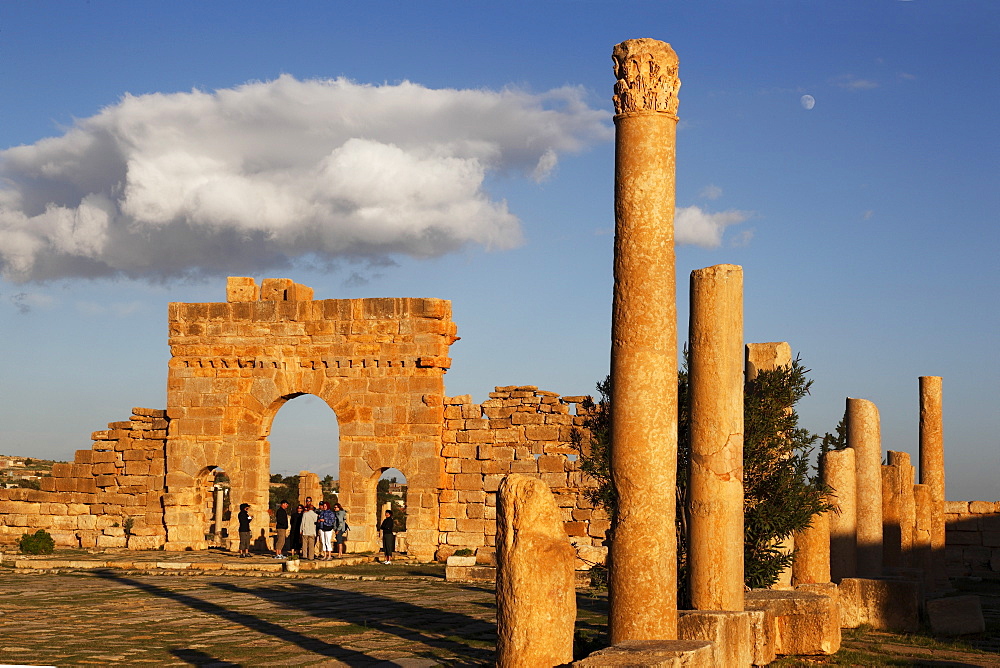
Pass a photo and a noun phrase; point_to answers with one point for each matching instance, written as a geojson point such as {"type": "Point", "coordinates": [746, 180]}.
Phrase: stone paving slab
{"type": "Point", "coordinates": [105, 617]}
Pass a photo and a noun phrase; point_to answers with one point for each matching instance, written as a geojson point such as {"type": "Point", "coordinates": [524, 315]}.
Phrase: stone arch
{"type": "Point", "coordinates": [378, 363]}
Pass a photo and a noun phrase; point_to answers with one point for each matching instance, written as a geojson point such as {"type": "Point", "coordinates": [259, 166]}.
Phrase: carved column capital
{"type": "Point", "coordinates": [646, 70]}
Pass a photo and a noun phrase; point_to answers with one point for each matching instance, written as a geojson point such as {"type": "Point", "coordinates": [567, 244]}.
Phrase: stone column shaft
{"type": "Point", "coordinates": [217, 506]}
{"type": "Point", "coordinates": [838, 470]}
{"type": "Point", "coordinates": [812, 552]}
{"type": "Point", "coordinates": [536, 596]}
{"type": "Point", "coordinates": [715, 481]}
{"type": "Point", "coordinates": [898, 517]}
{"type": "Point", "coordinates": [932, 465]}
{"type": "Point", "coordinates": [643, 572]}
{"type": "Point", "coordinates": [864, 436]}
{"type": "Point", "coordinates": [922, 557]}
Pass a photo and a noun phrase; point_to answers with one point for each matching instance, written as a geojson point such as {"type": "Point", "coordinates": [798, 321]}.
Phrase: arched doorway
{"type": "Point", "coordinates": [391, 494]}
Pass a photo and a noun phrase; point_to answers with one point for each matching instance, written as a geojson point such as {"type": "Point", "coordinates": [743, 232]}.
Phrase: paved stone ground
{"type": "Point", "coordinates": [110, 618]}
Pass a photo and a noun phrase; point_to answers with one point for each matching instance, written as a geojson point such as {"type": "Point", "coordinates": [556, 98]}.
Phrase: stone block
{"type": "Point", "coordinates": [653, 654]}
{"type": "Point", "coordinates": [956, 507]}
{"type": "Point", "coordinates": [885, 605]}
{"type": "Point", "coordinates": [729, 633]}
{"type": "Point", "coordinates": [797, 622]}
{"type": "Point", "coordinates": [955, 615]}
{"type": "Point", "coordinates": [473, 573]}
{"type": "Point", "coordinates": [981, 507]}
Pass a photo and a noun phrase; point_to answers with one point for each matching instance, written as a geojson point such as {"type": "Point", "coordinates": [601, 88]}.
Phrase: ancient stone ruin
{"type": "Point", "coordinates": [379, 364]}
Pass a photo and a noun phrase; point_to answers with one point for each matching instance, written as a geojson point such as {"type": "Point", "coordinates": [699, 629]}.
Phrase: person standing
{"type": "Point", "coordinates": [388, 530]}
{"type": "Point", "coordinates": [326, 524]}
{"type": "Point", "coordinates": [340, 529]}
{"type": "Point", "coordinates": [308, 530]}
{"type": "Point", "coordinates": [295, 531]}
{"type": "Point", "coordinates": [244, 518]}
{"type": "Point", "coordinates": [281, 526]}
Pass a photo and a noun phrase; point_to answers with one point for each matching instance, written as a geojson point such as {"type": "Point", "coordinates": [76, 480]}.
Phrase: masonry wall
{"type": "Point", "coordinates": [86, 503]}
{"type": "Point", "coordinates": [972, 532]}
{"type": "Point", "coordinates": [519, 429]}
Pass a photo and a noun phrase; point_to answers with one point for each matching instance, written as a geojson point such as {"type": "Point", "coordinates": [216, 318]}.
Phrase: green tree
{"type": "Point", "coordinates": [780, 494]}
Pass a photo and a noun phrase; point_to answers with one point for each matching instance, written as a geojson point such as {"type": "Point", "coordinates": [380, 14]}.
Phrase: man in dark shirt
{"type": "Point", "coordinates": [281, 525]}
{"type": "Point", "coordinates": [244, 518]}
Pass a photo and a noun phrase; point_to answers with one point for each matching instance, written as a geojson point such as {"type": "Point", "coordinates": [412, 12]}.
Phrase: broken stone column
{"type": "Point", "coordinates": [864, 437]}
{"type": "Point", "coordinates": [309, 487]}
{"type": "Point", "coordinates": [715, 481]}
{"type": "Point", "coordinates": [643, 565]}
{"type": "Point", "coordinates": [838, 470]}
{"type": "Point", "coordinates": [898, 514]}
{"type": "Point", "coordinates": [536, 593]}
{"type": "Point", "coordinates": [812, 552]}
{"type": "Point", "coordinates": [932, 467]}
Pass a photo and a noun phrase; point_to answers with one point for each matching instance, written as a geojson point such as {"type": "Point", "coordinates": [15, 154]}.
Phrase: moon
{"type": "Point", "coordinates": [808, 102]}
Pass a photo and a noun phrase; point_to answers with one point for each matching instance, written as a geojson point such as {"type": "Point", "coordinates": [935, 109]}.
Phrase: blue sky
{"type": "Point", "coordinates": [866, 224]}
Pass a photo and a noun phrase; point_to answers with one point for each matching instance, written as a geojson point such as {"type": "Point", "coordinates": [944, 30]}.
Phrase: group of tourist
{"type": "Point", "coordinates": [318, 533]}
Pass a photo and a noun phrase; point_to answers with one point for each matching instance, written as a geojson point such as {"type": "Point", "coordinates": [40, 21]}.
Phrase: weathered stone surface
{"type": "Point", "coordinates": [886, 605]}
{"type": "Point", "coordinates": [800, 622]}
{"type": "Point", "coordinates": [536, 597]}
{"type": "Point", "coordinates": [653, 654]}
{"type": "Point", "coordinates": [729, 632]}
{"type": "Point", "coordinates": [643, 572]}
{"type": "Point", "coordinates": [715, 475]}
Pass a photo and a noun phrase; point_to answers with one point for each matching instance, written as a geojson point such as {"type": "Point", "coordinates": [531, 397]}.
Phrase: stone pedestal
{"type": "Point", "coordinates": [798, 622]}
{"type": "Point", "coordinates": [864, 436]}
{"type": "Point", "coordinates": [837, 468]}
{"type": "Point", "coordinates": [643, 568]}
{"type": "Point", "coordinates": [730, 633]}
{"type": "Point", "coordinates": [715, 480]}
{"type": "Point", "coordinates": [932, 469]}
{"type": "Point", "coordinates": [536, 596]}
{"type": "Point", "coordinates": [884, 604]}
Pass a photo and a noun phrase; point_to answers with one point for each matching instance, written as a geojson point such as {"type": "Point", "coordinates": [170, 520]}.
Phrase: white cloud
{"type": "Point", "coordinates": [251, 178]}
{"type": "Point", "coordinates": [711, 192]}
{"type": "Point", "coordinates": [851, 82]}
{"type": "Point", "coordinates": [694, 226]}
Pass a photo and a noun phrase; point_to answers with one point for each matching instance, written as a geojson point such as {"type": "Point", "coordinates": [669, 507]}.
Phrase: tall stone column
{"type": "Point", "coordinates": [643, 570]}
{"type": "Point", "coordinates": [864, 436]}
{"type": "Point", "coordinates": [715, 481]}
{"type": "Point", "coordinates": [838, 470]}
{"type": "Point", "coordinates": [932, 465]}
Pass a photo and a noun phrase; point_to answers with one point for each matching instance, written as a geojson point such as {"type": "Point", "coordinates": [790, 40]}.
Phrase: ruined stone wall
{"type": "Point", "coordinates": [972, 537]}
{"type": "Point", "coordinates": [519, 429]}
{"type": "Point", "coordinates": [86, 503]}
